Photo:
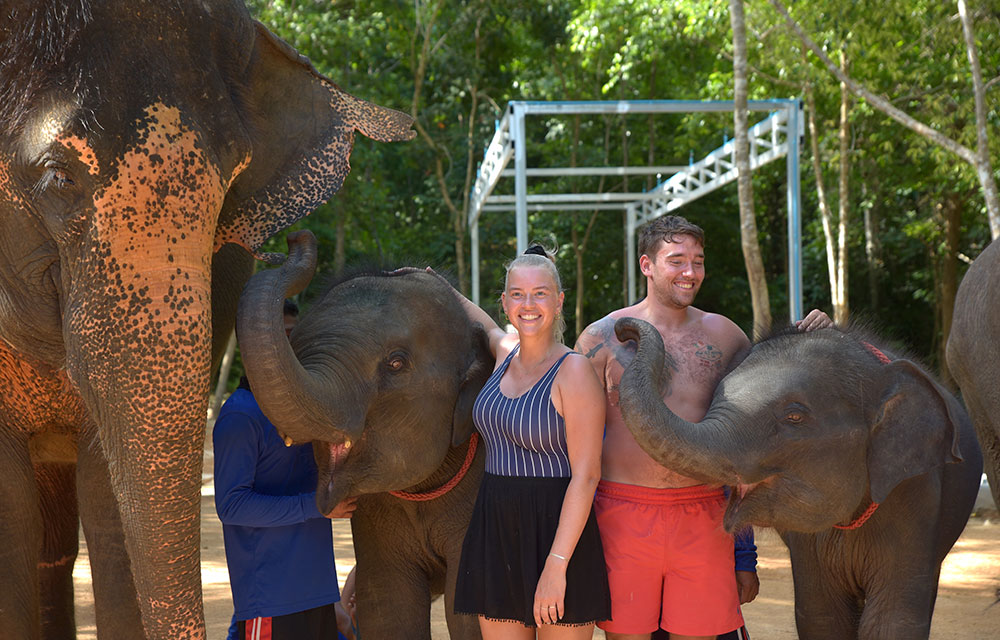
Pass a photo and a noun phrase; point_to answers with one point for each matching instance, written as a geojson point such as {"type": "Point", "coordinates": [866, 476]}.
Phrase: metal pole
{"type": "Point", "coordinates": [794, 135]}
{"type": "Point", "coordinates": [630, 234]}
{"type": "Point", "coordinates": [520, 176]}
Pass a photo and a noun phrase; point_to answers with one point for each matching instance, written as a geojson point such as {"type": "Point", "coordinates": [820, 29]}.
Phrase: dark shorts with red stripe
{"type": "Point", "coordinates": [319, 623]}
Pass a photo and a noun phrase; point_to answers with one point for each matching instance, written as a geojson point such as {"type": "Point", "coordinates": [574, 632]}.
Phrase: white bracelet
{"type": "Point", "coordinates": [563, 558]}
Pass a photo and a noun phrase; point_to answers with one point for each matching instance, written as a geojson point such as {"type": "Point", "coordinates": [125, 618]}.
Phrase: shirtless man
{"type": "Point", "coordinates": [670, 563]}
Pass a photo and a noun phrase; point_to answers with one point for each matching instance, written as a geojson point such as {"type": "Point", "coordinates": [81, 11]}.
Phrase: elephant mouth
{"type": "Point", "coordinates": [333, 482]}
{"type": "Point", "coordinates": [737, 512]}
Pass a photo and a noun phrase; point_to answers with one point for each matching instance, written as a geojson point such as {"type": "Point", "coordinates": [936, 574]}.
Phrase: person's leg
{"type": "Point", "coordinates": [497, 630]}
{"type": "Point", "coordinates": [557, 632]}
{"type": "Point", "coordinates": [628, 519]}
{"type": "Point", "coordinates": [700, 598]}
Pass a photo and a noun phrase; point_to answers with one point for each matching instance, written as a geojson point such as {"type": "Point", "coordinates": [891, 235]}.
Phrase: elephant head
{"type": "Point", "coordinates": [137, 138]}
{"type": "Point", "coordinates": [380, 374]}
{"type": "Point", "coordinates": [809, 429]}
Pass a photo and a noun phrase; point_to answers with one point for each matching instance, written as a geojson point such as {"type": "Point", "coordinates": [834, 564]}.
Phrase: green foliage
{"type": "Point", "coordinates": [392, 205]}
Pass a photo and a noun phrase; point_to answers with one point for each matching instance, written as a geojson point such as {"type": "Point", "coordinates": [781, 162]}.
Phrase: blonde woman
{"type": "Point", "coordinates": [532, 563]}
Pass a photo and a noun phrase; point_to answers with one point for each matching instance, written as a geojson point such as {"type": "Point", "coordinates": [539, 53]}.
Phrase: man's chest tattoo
{"type": "Point", "coordinates": [707, 355]}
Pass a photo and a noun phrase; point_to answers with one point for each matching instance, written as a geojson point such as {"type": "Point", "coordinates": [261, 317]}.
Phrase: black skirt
{"type": "Point", "coordinates": [506, 545]}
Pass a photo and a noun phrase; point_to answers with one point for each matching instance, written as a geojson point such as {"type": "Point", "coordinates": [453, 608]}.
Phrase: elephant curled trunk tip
{"type": "Point", "coordinates": [650, 351]}
{"type": "Point", "coordinates": [288, 394]}
{"type": "Point", "coordinates": [300, 266]}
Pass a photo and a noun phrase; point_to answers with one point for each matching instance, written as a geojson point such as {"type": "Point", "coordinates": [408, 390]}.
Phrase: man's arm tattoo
{"type": "Point", "coordinates": [593, 351]}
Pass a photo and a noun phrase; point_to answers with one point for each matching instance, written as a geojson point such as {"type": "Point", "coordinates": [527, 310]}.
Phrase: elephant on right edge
{"type": "Point", "coordinates": [380, 374]}
{"type": "Point", "coordinates": [974, 355]}
{"type": "Point", "coordinates": [865, 465]}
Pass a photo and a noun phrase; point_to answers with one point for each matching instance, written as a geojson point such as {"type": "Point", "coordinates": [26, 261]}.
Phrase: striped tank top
{"type": "Point", "coordinates": [524, 436]}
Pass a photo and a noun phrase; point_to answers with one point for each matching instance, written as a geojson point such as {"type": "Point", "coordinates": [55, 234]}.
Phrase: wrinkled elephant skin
{"type": "Point", "coordinates": [865, 465]}
{"type": "Point", "coordinates": [380, 374]}
{"type": "Point", "coordinates": [974, 354]}
{"type": "Point", "coordinates": [147, 150]}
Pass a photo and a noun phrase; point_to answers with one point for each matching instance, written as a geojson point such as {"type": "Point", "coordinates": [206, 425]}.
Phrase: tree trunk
{"type": "Point", "coordinates": [580, 246]}
{"type": "Point", "coordinates": [952, 220]}
{"type": "Point", "coordinates": [339, 255]}
{"type": "Point", "coordinates": [222, 380]}
{"type": "Point", "coordinates": [841, 308]}
{"type": "Point", "coordinates": [873, 257]}
{"type": "Point", "coordinates": [826, 216]}
{"type": "Point", "coordinates": [748, 224]}
{"type": "Point", "coordinates": [984, 167]}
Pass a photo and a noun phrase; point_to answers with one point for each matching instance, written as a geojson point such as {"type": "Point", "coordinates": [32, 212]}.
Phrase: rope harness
{"type": "Point", "coordinates": [863, 518]}
{"type": "Point", "coordinates": [448, 486]}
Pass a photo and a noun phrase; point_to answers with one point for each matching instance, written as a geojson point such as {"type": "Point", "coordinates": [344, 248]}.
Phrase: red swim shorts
{"type": "Point", "coordinates": [667, 552]}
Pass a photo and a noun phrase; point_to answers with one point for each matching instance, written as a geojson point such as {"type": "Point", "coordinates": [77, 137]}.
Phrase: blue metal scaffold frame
{"type": "Point", "coordinates": [769, 141]}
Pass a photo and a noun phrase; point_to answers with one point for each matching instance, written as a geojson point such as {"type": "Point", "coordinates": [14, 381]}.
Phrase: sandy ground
{"type": "Point", "coordinates": [970, 583]}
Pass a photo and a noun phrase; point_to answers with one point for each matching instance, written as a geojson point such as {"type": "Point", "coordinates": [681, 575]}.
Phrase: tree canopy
{"type": "Point", "coordinates": [917, 212]}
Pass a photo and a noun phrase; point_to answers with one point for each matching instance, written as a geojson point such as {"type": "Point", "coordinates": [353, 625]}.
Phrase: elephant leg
{"type": "Point", "coordinates": [987, 424]}
{"type": "Point", "coordinates": [393, 589]}
{"type": "Point", "coordinates": [901, 593]}
{"type": "Point", "coordinates": [824, 609]}
{"type": "Point", "coordinates": [394, 600]}
{"type": "Point", "coordinates": [20, 540]}
{"type": "Point", "coordinates": [60, 545]}
{"type": "Point", "coordinates": [116, 607]}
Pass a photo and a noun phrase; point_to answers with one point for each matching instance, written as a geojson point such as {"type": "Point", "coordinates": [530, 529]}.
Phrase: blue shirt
{"type": "Point", "coordinates": [279, 547]}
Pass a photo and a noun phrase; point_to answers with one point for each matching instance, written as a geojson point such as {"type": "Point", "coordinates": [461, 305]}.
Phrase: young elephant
{"type": "Point", "coordinates": [380, 376]}
{"type": "Point", "coordinates": [863, 463]}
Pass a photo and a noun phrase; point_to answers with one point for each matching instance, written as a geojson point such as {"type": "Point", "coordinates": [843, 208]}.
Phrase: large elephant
{"type": "Point", "coordinates": [974, 354]}
{"type": "Point", "coordinates": [864, 464]}
{"type": "Point", "coordinates": [147, 150]}
{"type": "Point", "coordinates": [380, 375]}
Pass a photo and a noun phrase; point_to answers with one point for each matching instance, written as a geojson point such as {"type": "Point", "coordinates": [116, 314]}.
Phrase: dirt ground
{"type": "Point", "coordinates": [970, 583]}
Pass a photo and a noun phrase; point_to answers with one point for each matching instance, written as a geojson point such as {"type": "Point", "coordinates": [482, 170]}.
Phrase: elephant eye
{"type": "Point", "coordinates": [60, 178]}
{"type": "Point", "coordinates": [55, 175]}
{"type": "Point", "coordinates": [795, 414]}
{"type": "Point", "coordinates": [396, 362]}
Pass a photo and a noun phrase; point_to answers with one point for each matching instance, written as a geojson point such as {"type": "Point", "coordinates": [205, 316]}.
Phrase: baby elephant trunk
{"type": "Point", "coordinates": [704, 450]}
{"type": "Point", "coordinates": [289, 395]}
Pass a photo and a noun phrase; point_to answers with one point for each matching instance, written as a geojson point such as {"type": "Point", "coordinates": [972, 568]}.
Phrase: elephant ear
{"type": "Point", "coordinates": [301, 127]}
{"type": "Point", "coordinates": [916, 428]}
{"type": "Point", "coordinates": [475, 377]}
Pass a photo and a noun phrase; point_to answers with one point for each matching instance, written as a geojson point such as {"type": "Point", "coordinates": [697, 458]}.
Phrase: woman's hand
{"type": "Point", "coordinates": [550, 592]}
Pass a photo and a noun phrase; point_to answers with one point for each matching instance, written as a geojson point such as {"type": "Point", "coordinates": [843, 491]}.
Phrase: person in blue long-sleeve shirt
{"type": "Point", "coordinates": [279, 547]}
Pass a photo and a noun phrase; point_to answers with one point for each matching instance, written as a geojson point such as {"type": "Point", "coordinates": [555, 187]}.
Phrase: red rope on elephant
{"type": "Point", "coordinates": [884, 359]}
{"type": "Point", "coordinates": [448, 486]}
{"type": "Point", "coordinates": [863, 518]}
{"type": "Point", "coordinates": [860, 520]}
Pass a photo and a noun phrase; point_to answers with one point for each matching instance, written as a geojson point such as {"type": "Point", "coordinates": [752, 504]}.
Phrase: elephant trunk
{"type": "Point", "coordinates": [143, 373]}
{"type": "Point", "coordinates": [704, 450]}
{"type": "Point", "coordinates": [292, 397]}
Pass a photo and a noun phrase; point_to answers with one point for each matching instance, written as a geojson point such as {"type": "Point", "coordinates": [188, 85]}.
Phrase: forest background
{"type": "Point", "coordinates": [904, 218]}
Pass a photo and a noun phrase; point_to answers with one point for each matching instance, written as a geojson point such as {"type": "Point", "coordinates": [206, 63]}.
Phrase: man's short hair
{"type": "Point", "coordinates": [291, 309]}
{"type": "Point", "coordinates": [667, 228]}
